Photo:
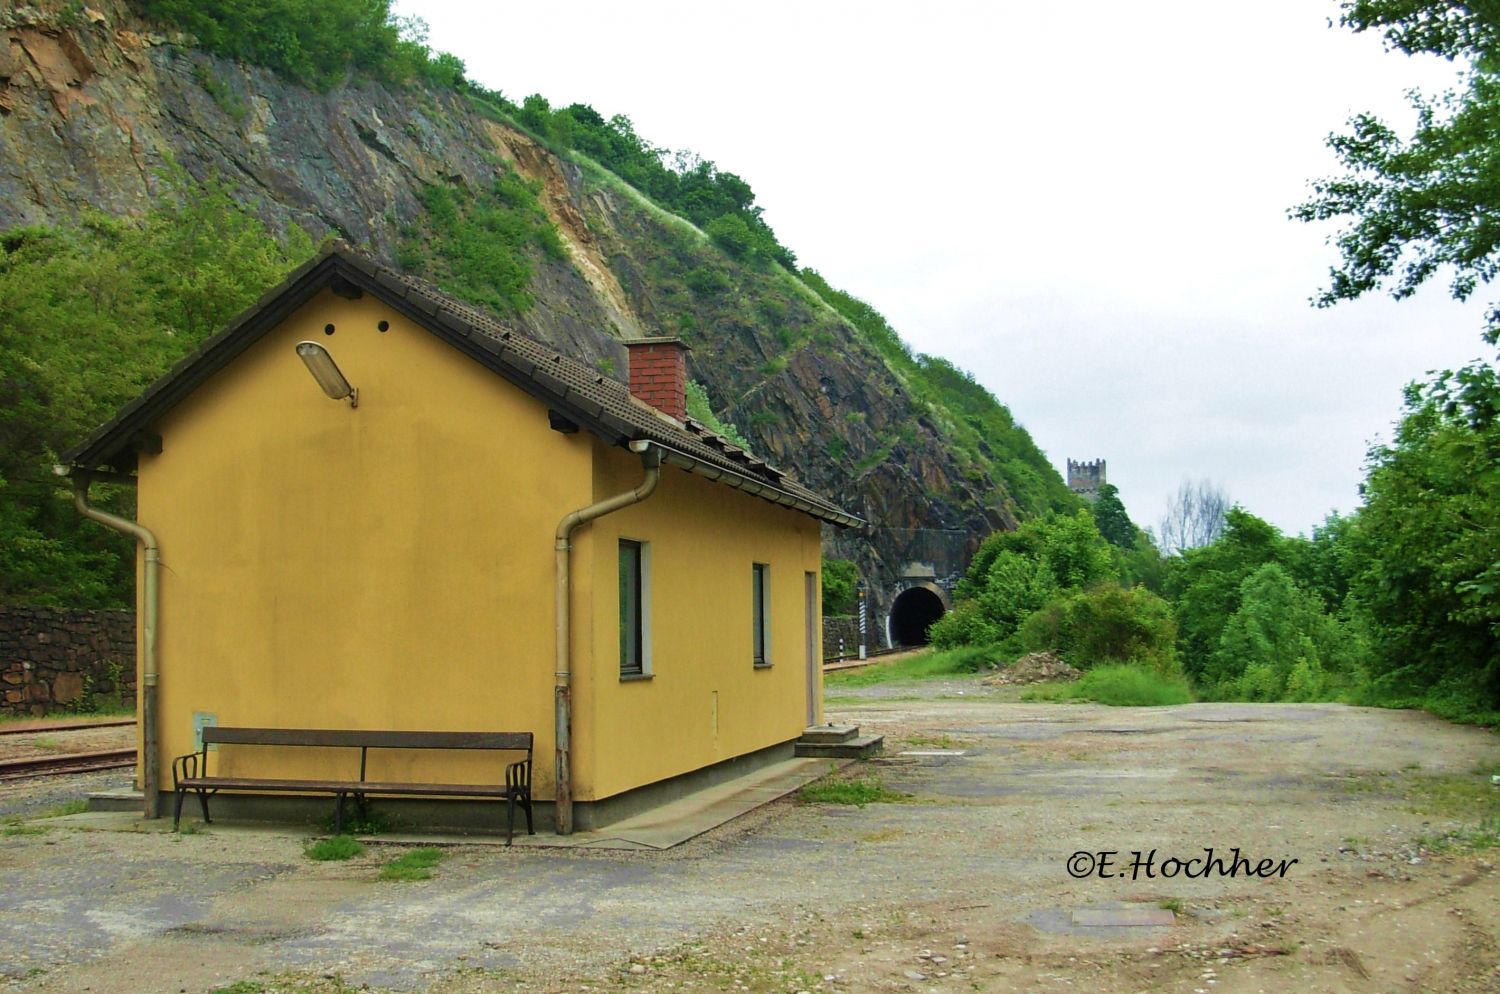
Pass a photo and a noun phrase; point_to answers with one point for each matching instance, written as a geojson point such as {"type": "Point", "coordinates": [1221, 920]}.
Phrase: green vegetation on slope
{"type": "Point", "coordinates": [314, 42]}
{"type": "Point", "coordinates": [89, 316]}
{"type": "Point", "coordinates": [720, 203]}
{"type": "Point", "coordinates": [478, 245]}
{"type": "Point", "coordinates": [982, 431]}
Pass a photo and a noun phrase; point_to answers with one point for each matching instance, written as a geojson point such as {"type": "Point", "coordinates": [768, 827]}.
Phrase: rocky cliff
{"type": "Point", "coordinates": [95, 106]}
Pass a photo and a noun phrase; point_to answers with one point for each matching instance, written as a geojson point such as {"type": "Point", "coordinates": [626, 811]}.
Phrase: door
{"type": "Point", "coordinates": [814, 648]}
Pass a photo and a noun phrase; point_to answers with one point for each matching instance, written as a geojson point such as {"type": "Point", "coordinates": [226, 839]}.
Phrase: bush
{"type": "Point", "coordinates": [1014, 574]}
{"type": "Point", "coordinates": [1277, 645]}
{"type": "Point", "coordinates": [700, 410]}
{"type": "Point", "coordinates": [1106, 625]}
{"type": "Point", "coordinates": [966, 624]}
{"type": "Point", "coordinates": [733, 235]}
{"type": "Point", "coordinates": [840, 595]}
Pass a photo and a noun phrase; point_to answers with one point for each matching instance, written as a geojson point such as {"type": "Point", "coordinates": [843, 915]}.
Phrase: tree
{"type": "Point", "coordinates": [1109, 514]}
{"type": "Point", "coordinates": [1426, 545]}
{"type": "Point", "coordinates": [840, 577]}
{"type": "Point", "coordinates": [1195, 516]}
{"type": "Point", "coordinates": [1016, 573]}
{"type": "Point", "coordinates": [1205, 583]}
{"type": "Point", "coordinates": [1432, 200]}
{"type": "Point", "coordinates": [89, 315]}
{"type": "Point", "coordinates": [1276, 645]}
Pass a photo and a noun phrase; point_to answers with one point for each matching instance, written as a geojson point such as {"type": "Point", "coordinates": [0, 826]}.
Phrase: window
{"type": "Point", "coordinates": [761, 613]}
{"type": "Point", "coordinates": [633, 619]}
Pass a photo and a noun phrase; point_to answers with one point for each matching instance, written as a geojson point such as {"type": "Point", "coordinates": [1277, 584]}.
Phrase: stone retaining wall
{"type": "Point", "coordinates": [846, 628]}
{"type": "Point", "coordinates": [54, 660]}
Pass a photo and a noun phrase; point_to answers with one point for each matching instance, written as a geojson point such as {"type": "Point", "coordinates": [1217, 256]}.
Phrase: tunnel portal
{"type": "Point", "coordinates": [912, 614]}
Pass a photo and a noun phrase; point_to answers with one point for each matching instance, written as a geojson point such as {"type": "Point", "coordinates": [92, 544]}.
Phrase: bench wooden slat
{"type": "Point", "coordinates": [263, 783]}
{"type": "Point", "coordinates": [373, 739]}
{"type": "Point", "coordinates": [343, 786]}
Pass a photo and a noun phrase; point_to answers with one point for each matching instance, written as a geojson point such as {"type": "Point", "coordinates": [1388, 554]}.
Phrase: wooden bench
{"type": "Point", "coordinates": [190, 772]}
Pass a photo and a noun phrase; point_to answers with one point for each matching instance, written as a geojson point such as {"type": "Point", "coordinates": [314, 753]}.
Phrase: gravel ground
{"type": "Point", "coordinates": [963, 884]}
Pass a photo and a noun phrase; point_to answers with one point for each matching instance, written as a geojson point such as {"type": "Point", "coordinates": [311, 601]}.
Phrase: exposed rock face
{"type": "Point", "coordinates": [94, 106]}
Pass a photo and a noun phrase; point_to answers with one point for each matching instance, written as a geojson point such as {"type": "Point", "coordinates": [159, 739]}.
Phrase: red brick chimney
{"type": "Point", "coordinates": [658, 373]}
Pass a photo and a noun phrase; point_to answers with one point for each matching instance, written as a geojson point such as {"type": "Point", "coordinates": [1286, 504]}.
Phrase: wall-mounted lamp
{"type": "Point", "coordinates": [327, 372]}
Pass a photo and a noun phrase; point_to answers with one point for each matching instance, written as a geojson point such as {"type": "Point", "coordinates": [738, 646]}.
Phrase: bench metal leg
{"type": "Point", "coordinates": [338, 814]}
{"type": "Point", "coordinates": [177, 809]}
{"type": "Point", "coordinates": [203, 803]}
{"type": "Point", "coordinates": [510, 819]}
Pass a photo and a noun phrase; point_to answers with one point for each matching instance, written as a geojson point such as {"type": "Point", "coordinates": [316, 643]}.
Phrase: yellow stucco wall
{"type": "Point", "coordinates": [381, 567]}
{"type": "Point", "coordinates": [391, 566]}
{"type": "Point", "coordinates": [705, 701]}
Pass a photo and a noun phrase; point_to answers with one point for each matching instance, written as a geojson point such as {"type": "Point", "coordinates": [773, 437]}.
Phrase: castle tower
{"type": "Point", "coordinates": [1085, 478]}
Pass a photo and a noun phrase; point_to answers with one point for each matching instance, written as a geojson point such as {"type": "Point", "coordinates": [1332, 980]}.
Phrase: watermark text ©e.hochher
{"type": "Point", "coordinates": [1148, 865]}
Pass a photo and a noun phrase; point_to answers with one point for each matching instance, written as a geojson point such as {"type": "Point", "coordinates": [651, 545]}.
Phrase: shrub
{"type": "Point", "coordinates": [1278, 630]}
{"type": "Point", "coordinates": [705, 281]}
{"type": "Point", "coordinates": [839, 586]}
{"type": "Point", "coordinates": [966, 624]}
{"type": "Point", "coordinates": [700, 410]}
{"type": "Point", "coordinates": [733, 235]}
{"type": "Point", "coordinates": [1106, 625]}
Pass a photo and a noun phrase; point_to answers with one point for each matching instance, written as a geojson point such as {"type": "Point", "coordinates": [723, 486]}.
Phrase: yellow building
{"type": "Point", "coordinates": [408, 556]}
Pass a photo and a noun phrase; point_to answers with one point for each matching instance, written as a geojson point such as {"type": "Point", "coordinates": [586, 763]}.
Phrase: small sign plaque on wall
{"type": "Point", "coordinates": [202, 719]}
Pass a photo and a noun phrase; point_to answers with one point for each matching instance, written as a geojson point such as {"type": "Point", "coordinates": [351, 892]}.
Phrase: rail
{"type": "Point", "coordinates": [77, 762]}
{"type": "Point", "coordinates": [42, 727]}
{"type": "Point", "coordinates": [851, 662]}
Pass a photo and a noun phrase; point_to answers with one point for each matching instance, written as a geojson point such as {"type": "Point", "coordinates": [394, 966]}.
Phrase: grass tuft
{"type": "Point", "coordinates": [416, 864]}
{"type": "Point", "coordinates": [858, 791]}
{"type": "Point", "coordinates": [1117, 686]}
{"type": "Point", "coordinates": [12, 830]}
{"type": "Point", "coordinates": [338, 847]}
{"type": "Point", "coordinates": [77, 806]}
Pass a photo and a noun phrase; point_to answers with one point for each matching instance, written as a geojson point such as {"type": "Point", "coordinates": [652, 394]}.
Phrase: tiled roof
{"type": "Point", "coordinates": [572, 388]}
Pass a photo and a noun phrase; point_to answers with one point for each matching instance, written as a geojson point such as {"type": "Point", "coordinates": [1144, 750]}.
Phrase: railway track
{"type": "Point", "coordinates": [41, 727]}
{"type": "Point", "coordinates": [75, 762]}
{"type": "Point", "coordinates": [872, 656]}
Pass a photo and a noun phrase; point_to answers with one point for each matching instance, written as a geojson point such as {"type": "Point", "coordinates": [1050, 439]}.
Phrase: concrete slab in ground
{"type": "Point", "coordinates": [1126, 917]}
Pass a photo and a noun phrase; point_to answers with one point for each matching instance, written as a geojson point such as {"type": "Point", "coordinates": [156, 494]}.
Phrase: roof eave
{"type": "Point", "coordinates": [759, 488]}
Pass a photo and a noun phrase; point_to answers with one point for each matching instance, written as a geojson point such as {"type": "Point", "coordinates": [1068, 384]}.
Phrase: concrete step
{"type": "Point", "coordinates": [861, 747]}
{"type": "Point", "coordinates": [829, 733]}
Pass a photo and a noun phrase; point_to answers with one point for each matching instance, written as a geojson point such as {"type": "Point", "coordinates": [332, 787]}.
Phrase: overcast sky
{"type": "Point", "coordinates": [1084, 204]}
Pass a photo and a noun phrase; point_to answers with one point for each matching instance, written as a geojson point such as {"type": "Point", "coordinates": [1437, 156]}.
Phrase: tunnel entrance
{"type": "Point", "coordinates": [912, 613]}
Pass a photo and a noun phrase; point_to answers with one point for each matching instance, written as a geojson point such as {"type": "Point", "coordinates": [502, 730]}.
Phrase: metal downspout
{"type": "Point", "coordinates": [151, 777]}
{"type": "Point", "coordinates": [563, 691]}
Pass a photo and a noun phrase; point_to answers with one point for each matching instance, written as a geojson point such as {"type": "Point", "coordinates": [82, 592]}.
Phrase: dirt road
{"type": "Point", "coordinates": [965, 885]}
